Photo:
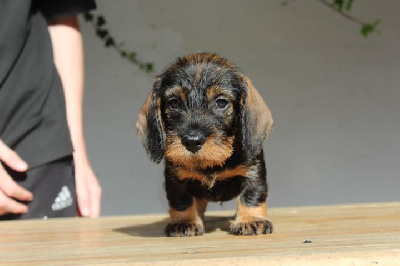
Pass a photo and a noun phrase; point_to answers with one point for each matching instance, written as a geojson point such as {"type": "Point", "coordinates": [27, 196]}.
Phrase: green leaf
{"type": "Point", "coordinates": [88, 16]}
{"type": "Point", "coordinates": [149, 67]}
{"type": "Point", "coordinates": [349, 5]}
{"type": "Point", "coordinates": [123, 54]}
{"type": "Point", "coordinates": [132, 56]}
{"type": "Point", "coordinates": [339, 4]}
{"type": "Point", "coordinates": [101, 21]}
{"type": "Point", "coordinates": [109, 42]}
{"type": "Point", "coordinates": [366, 29]}
{"type": "Point", "coordinates": [369, 28]}
{"type": "Point", "coordinates": [102, 34]}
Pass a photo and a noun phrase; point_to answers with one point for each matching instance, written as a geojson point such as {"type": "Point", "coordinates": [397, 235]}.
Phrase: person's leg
{"type": "Point", "coordinates": [53, 188]}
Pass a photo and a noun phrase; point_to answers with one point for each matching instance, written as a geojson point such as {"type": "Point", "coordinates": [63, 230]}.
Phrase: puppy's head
{"type": "Point", "coordinates": [199, 109]}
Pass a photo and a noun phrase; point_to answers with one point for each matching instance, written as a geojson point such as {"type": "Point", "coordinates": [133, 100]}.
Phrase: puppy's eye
{"type": "Point", "coordinates": [221, 103]}
{"type": "Point", "coordinates": [173, 104]}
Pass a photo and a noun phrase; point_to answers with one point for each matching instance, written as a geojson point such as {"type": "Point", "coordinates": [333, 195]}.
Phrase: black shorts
{"type": "Point", "coordinates": [53, 188]}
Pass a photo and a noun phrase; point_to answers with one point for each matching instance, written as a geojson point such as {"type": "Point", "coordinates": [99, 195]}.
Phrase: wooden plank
{"type": "Point", "coordinates": [339, 235]}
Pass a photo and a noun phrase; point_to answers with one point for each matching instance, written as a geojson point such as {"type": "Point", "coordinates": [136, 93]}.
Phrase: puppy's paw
{"type": "Point", "coordinates": [184, 229]}
{"type": "Point", "coordinates": [251, 228]}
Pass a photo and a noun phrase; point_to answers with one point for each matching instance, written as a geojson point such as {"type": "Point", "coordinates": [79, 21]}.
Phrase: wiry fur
{"type": "Point", "coordinates": [208, 122]}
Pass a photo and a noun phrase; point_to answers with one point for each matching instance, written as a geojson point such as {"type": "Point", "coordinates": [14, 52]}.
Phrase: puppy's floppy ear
{"type": "Point", "coordinates": [256, 121]}
{"type": "Point", "coordinates": [150, 127]}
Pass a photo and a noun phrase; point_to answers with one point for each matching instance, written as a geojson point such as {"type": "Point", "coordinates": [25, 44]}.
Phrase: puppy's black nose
{"type": "Point", "coordinates": [193, 143]}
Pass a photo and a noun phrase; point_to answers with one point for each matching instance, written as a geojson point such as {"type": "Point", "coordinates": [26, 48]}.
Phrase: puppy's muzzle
{"type": "Point", "coordinates": [193, 143]}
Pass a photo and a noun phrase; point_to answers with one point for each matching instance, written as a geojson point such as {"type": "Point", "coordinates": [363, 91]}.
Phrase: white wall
{"type": "Point", "coordinates": [334, 95]}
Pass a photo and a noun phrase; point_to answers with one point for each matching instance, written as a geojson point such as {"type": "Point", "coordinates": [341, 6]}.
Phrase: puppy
{"type": "Point", "coordinates": [209, 122]}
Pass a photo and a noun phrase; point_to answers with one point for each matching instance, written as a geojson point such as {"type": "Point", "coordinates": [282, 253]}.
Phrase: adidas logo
{"type": "Point", "coordinates": [63, 200]}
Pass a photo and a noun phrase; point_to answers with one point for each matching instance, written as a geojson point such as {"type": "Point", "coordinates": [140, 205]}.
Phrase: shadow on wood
{"type": "Point", "coordinates": [156, 229]}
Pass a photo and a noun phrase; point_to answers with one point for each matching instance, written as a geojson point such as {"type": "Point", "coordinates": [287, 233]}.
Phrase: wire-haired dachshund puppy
{"type": "Point", "coordinates": [209, 122]}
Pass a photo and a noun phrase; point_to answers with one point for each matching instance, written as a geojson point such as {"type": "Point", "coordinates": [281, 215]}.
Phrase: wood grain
{"type": "Point", "coordinates": [367, 234]}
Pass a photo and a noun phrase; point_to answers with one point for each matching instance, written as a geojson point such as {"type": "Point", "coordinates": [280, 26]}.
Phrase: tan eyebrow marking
{"type": "Point", "coordinates": [215, 91]}
{"type": "Point", "coordinates": [176, 91]}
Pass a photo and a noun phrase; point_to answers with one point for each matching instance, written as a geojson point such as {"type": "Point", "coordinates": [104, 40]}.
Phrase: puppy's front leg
{"type": "Point", "coordinates": [251, 220]}
{"type": "Point", "coordinates": [185, 222]}
{"type": "Point", "coordinates": [185, 211]}
{"type": "Point", "coordinates": [251, 215]}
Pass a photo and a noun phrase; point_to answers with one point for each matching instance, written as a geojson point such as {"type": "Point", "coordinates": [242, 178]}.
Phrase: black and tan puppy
{"type": "Point", "coordinates": [209, 122]}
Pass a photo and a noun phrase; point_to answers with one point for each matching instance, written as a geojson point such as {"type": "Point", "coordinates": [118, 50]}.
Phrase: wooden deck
{"type": "Point", "coordinates": [367, 234]}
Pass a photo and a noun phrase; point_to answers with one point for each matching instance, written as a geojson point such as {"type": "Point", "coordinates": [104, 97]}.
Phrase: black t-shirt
{"type": "Point", "coordinates": [32, 104]}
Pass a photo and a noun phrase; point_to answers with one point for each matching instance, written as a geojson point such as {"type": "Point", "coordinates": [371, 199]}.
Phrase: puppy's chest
{"type": "Point", "coordinates": [209, 178]}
